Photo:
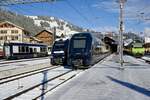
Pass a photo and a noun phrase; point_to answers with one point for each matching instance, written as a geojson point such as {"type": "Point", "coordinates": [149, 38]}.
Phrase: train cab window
{"type": "Point", "coordinates": [137, 45]}
{"type": "Point", "coordinates": [79, 43]}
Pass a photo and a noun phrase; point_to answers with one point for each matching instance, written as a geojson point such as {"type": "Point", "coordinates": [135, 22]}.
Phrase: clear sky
{"type": "Point", "coordinates": [100, 15]}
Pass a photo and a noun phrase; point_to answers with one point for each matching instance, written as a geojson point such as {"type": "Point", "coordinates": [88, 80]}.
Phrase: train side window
{"type": "Point", "coordinates": [41, 49]}
{"type": "Point", "coordinates": [35, 50]}
{"type": "Point", "coordinates": [23, 49]}
{"type": "Point", "coordinates": [44, 49]}
{"type": "Point", "coordinates": [31, 50]}
{"type": "Point", "coordinates": [20, 49]}
{"type": "Point", "coordinates": [27, 49]}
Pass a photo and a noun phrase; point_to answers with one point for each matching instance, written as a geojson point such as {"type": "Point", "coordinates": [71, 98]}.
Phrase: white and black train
{"type": "Point", "coordinates": [24, 50]}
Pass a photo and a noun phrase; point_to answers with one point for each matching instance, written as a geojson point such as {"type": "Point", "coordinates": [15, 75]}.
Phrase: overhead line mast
{"type": "Point", "coordinates": [121, 30]}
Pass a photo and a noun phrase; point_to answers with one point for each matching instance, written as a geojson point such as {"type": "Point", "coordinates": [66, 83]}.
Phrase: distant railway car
{"type": "Point", "coordinates": [59, 52]}
{"type": "Point", "coordinates": [136, 49]}
{"type": "Point", "coordinates": [24, 50]}
{"type": "Point", "coordinates": [85, 50]}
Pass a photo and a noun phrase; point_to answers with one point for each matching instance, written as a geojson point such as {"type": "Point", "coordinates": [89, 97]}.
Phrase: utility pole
{"type": "Point", "coordinates": [54, 35]}
{"type": "Point", "coordinates": [121, 29]}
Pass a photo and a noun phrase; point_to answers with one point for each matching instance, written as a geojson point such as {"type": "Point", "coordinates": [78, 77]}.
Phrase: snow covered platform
{"type": "Point", "coordinates": [106, 81]}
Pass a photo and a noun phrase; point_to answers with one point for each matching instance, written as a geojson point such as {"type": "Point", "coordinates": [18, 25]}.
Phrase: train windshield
{"type": "Point", "coordinates": [59, 46]}
{"type": "Point", "coordinates": [137, 45]}
{"type": "Point", "coordinates": [79, 43]}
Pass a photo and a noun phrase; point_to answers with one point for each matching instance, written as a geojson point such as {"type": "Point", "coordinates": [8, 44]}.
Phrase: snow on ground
{"type": "Point", "coordinates": [23, 64]}
{"type": "Point", "coordinates": [106, 81]}
{"type": "Point", "coordinates": [16, 86]}
{"type": "Point", "coordinates": [10, 69]}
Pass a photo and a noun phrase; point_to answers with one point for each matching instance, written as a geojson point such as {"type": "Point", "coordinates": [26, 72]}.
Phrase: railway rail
{"type": "Point", "coordinates": [23, 69]}
{"type": "Point", "coordinates": [30, 85]}
{"type": "Point", "coordinates": [54, 73]}
{"type": "Point", "coordinates": [38, 88]}
{"type": "Point", "coordinates": [20, 60]}
{"type": "Point", "coordinates": [22, 75]}
{"type": "Point", "coordinates": [62, 81]}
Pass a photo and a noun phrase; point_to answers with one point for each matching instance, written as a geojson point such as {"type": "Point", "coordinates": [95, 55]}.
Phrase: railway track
{"type": "Point", "coordinates": [52, 74]}
{"type": "Point", "coordinates": [38, 89]}
{"type": "Point", "coordinates": [22, 75]}
{"type": "Point", "coordinates": [10, 71]}
{"type": "Point", "coordinates": [20, 60]}
{"type": "Point", "coordinates": [31, 86]}
{"type": "Point", "coordinates": [62, 81]}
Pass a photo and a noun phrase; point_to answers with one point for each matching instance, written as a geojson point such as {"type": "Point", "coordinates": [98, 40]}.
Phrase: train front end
{"type": "Point", "coordinates": [80, 50]}
{"type": "Point", "coordinates": [138, 50]}
{"type": "Point", "coordinates": [59, 52]}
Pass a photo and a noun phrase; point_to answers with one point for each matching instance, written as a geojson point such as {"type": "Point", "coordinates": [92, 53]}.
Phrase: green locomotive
{"type": "Point", "coordinates": [136, 49]}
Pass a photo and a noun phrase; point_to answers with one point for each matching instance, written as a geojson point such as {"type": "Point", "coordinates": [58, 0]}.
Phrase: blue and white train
{"type": "Point", "coordinates": [59, 52]}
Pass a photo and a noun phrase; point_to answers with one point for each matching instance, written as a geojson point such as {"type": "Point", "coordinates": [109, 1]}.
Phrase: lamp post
{"type": "Point", "coordinates": [121, 29]}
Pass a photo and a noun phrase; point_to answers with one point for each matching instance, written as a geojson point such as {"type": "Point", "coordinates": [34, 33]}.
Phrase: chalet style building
{"type": "Point", "coordinates": [46, 37]}
{"type": "Point", "coordinates": [10, 32]}
{"type": "Point", "coordinates": [35, 40]}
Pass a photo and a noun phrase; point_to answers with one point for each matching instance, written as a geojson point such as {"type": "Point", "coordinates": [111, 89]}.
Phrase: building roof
{"type": "Point", "coordinates": [43, 31]}
{"type": "Point", "coordinates": [34, 38]}
{"type": "Point", "coordinates": [1, 23]}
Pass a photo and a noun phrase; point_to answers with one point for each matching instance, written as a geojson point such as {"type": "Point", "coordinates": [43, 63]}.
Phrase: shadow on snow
{"type": "Point", "coordinates": [131, 86]}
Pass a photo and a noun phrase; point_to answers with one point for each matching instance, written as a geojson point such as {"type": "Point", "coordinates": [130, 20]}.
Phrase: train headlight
{"type": "Point", "coordinates": [51, 57]}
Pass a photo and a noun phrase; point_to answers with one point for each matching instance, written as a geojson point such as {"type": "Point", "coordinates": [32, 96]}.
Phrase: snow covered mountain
{"type": "Point", "coordinates": [62, 27]}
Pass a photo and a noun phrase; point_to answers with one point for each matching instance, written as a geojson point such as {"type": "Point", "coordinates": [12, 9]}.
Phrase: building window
{"type": "Point", "coordinates": [12, 38]}
{"type": "Point", "coordinates": [1, 38]}
{"type": "Point", "coordinates": [3, 31]}
{"type": "Point", "coordinates": [16, 37]}
{"type": "Point", "coordinates": [14, 31]}
{"type": "Point", "coordinates": [5, 37]}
